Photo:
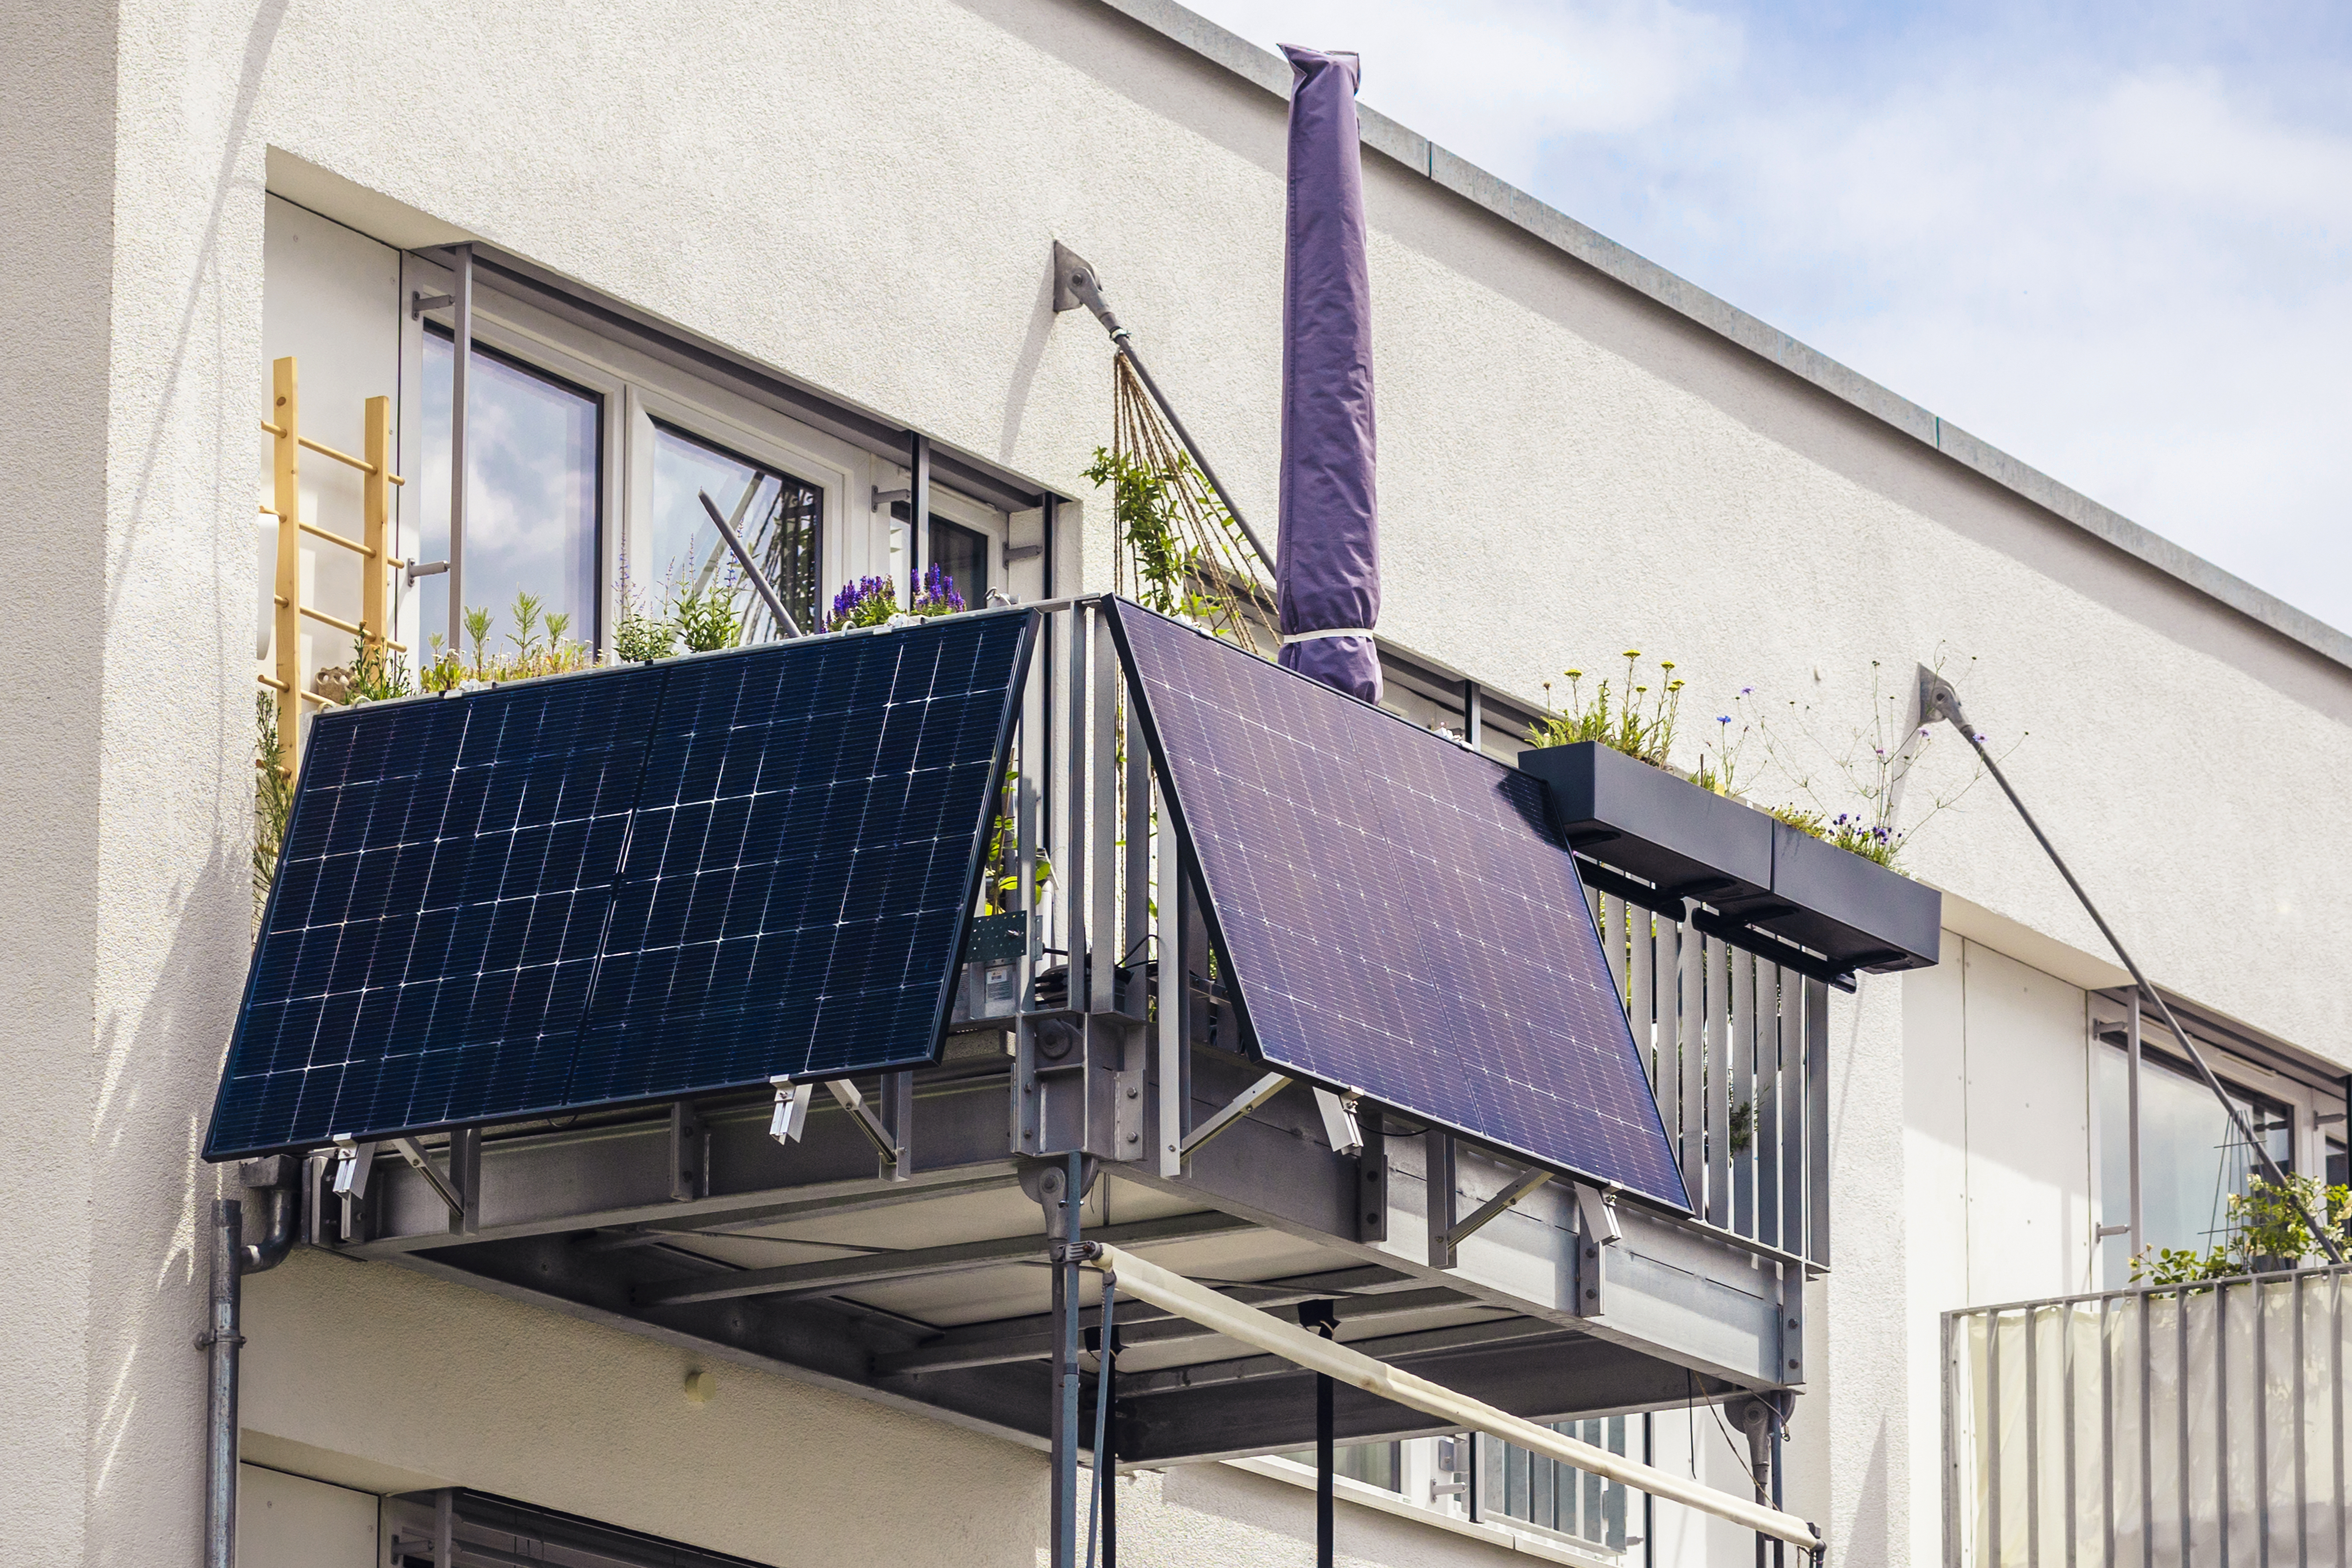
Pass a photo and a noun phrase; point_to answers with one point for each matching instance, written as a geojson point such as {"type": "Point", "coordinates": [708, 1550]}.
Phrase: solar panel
{"type": "Point", "coordinates": [634, 883]}
{"type": "Point", "coordinates": [1398, 915]}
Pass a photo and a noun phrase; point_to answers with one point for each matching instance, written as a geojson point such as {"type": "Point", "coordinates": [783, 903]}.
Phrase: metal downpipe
{"type": "Point", "coordinates": [231, 1260]}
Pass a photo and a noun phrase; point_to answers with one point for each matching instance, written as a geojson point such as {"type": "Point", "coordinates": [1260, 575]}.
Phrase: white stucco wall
{"type": "Point", "coordinates": [865, 200]}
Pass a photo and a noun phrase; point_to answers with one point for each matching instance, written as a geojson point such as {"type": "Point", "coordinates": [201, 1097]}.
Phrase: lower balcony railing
{"type": "Point", "coordinates": [2160, 1425]}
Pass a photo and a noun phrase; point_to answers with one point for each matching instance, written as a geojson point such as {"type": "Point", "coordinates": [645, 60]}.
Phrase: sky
{"type": "Point", "coordinates": [2110, 240]}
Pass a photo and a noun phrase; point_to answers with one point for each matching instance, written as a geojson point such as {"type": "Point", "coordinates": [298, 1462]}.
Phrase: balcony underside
{"type": "Point", "coordinates": [929, 1290]}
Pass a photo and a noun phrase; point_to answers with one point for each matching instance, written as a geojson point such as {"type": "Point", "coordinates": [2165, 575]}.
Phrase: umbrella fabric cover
{"type": "Point", "coordinates": [1327, 574]}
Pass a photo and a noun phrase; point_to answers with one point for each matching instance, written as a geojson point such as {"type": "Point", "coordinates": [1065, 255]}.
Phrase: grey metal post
{"type": "Point", "coordinates": [445, 1526]}
{"type": "Point", "coordinates": [2131, 1142]}
{"type": "Point", "coordinates": [1066, 1403]}
{"type": "Point", "coordinates": [460, 361]}
{"type": "Point", "coordinates": [1938, 700]}
{"type": "Point", "coordinates": [221, 1339]}
{"type": "Point", "coordinates": [919, 512]}
{"type": "Point", "coordinates": [224, 1336]}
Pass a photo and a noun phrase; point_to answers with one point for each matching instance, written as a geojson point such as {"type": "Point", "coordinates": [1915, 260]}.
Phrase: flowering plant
{"type": "Point", "coordinates": [872, 601]}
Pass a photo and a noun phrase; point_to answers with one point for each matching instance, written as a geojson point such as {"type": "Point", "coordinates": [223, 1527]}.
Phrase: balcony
{"type": "Point", "coordinates": [896, 1250]}
{"type": "Point", "coordinates": [2170, 1424]}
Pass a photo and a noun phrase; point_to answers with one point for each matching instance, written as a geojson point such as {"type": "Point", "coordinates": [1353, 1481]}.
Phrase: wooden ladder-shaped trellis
{"type": "Point", "coordinates": [284, 427]}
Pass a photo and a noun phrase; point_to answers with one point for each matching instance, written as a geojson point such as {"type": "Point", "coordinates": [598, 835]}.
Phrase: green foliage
{"type": "Point", "coordinates": [1621, 720]}
{"type": "Point", "coordinates": [1146, 508]}
{"type": "Point", "coordinates": [378, 673]}
{"type": "Point", "coordinates": [273, 800]}
{"type": "Point", "coordinates": [707, 618]}
{"type": "Point", "coordinates": [525, 636]}
{"type": "Point", "coordinates": [2266, 1232]}
{"type": "Point", "coordinates": [477, 629]}
{"type": "Point", "coordinates": [642, 639]}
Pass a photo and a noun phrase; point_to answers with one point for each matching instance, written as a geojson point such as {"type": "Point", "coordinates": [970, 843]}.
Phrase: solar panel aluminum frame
{"type": "Point", "coordinates": [1236, 991]}
{"type": "Point", "coordinates": [944, 998]}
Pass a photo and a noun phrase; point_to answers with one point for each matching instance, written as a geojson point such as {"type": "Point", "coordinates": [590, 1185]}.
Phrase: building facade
{"type": "Point", "coordinates": [715, 240]}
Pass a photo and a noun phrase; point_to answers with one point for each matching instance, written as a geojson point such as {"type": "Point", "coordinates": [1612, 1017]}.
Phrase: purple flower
{"type": "Point", "coordinates": [937, 588]}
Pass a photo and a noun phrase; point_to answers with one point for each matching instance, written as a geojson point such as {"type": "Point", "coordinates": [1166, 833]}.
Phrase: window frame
{"type": "Point", "coordinates": [854, 541]}
{"type": "Point", "coordinates": [2110, 1025]}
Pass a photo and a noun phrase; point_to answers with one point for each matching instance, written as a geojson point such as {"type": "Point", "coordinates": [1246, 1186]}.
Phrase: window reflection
{"type": "Point", "coordinates": [533, 500]}
{"type": "Point", "coordinates": [2190, 1158]}
{"type": "Point", "coordinates": [780, 519]}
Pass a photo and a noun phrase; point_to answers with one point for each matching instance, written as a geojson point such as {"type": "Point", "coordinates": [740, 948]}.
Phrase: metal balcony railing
{"type": "Point", "coordinates": [2149, 1428]}
{"type": "Point", "coordinates": [1738, 1051]}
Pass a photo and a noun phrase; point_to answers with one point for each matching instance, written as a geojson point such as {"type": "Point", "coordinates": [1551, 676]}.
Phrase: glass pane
{"type": "Point", "coordinates": [1374, 1464]}
{"type": "Point", "coordinates": [532, 502]}
{"type": "Point", "coordinates": [962, 554]}
{"type": "Point", "coordinates": [2190, 1157]}
{"type": "Point", "coordinates": [780, 515]}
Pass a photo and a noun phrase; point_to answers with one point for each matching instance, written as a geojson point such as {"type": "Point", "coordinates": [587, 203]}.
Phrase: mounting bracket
{"type": "Point", "coordinates": [1241, 1105]}
{"type": "Point", "coordinates": [790, 1118]}
{"type": "Point", "coordinates": [1341, 1129]}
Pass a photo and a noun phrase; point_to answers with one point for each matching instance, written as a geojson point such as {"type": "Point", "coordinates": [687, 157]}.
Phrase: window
{"type": "Point", "coordinates": [533, 499]}
{"type": "Point", "coordinates": [777, 516]}
{"type": "Point", "coordinates": [2190, 1158]}
{"type": "Point", "coordinates": [1374, 1464]}
{"type": "Point", "coordinates": [1528, 1488]}
{"type": "Point", "coordinates": [962, 553]}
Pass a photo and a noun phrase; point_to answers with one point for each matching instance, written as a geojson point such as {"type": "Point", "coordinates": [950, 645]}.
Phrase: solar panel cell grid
{"type": "Point", "coordinates": [640, 882]}
{"type": "Point", "coordinates": [1398, 918]}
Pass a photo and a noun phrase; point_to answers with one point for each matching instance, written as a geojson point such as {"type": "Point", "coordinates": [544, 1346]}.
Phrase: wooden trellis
{"type": "Point", "coordinates": [284, 427]}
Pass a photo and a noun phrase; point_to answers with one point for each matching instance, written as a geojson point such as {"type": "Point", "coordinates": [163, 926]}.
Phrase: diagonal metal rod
{"type": "Point", "coordinates": [1938, 700]}
{"type": "Point", "coordinates": [750, 567]}
{"type": "Point", "coordinates": [1075, 281]}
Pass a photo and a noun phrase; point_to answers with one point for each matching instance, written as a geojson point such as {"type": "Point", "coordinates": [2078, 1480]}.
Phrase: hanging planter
{"type": "Point", "coordinates": [1669, 840]}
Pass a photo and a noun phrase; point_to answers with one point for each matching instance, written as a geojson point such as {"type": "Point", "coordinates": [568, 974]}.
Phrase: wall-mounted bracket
{"type": "Point", "coordinates": [883, 498]}
{"type": "Point", "coordinates": [1078, 1084]}
{"type": "Point", "coordinates": [417, 569]}
{"type": "Point", "coordinates": [419, 302]}
{"type": "Point", "coordinates": [1596, 1233]}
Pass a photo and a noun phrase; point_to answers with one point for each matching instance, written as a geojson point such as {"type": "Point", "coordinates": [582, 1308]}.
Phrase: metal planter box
{"type": "Point", "coordinates": [1752, 869]}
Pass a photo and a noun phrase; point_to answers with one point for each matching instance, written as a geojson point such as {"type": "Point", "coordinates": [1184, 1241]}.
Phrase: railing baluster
{"type": "Point", "coordinates": [1817, 1118]}
{"type": "Point", "coordinates": [2221, 1418]}
{"type": "Point", "coordinates": [2262, 1381]}
{"type": "Point", "coordinates": [1769, 1078]}
{"type": "Point", "coordinates": [1714, 988]}
{"type": "Point", "coordinates": [1993, 1542]}
{"type": "Point", "coordinates": [2108, 1435]}
{"type": "Point", "coordinates": [2032, 1441]}
{"type": "Point", "coordinates": [1690, 1053]}
{"type": "Point", "coordinates": [2147, 1360]}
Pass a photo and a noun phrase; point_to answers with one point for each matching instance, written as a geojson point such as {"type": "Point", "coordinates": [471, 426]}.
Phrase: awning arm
{"type": "Point", "coordinates": [1171, 1292]}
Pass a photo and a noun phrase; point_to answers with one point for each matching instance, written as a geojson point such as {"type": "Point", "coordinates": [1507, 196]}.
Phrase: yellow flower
{"type": "Point", "coordinates": [1632, 653]}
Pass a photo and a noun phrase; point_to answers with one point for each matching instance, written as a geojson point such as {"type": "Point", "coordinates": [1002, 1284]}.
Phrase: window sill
{"type": "Point", "coordinates": [1347, 1490]}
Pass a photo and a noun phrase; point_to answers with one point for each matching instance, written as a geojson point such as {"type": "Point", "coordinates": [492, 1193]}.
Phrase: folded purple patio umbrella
{"type": "Point", "coordinates": [1328, 571]}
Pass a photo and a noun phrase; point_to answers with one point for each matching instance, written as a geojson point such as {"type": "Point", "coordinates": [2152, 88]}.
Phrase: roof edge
{"type": "Point", "coordinates": [1685, 299]}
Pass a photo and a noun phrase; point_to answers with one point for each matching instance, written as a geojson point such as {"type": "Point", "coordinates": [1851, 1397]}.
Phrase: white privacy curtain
{"type": "Point", "coordinates": [2198, 1427]}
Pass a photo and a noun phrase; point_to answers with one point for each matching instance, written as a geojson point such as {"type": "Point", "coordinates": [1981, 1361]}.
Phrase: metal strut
{"type": "Point", "coordinates": [1938, 700]}
{"type": "Point", "coordinates": [1075, 284]}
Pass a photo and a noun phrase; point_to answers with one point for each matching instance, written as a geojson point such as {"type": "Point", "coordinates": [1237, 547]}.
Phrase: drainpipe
{"type": "Point", "coordinates": [233, 1259]}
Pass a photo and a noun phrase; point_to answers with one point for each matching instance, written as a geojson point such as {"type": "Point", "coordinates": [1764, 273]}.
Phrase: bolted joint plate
{"type": "Point", "coordinates": [1079, 1085]}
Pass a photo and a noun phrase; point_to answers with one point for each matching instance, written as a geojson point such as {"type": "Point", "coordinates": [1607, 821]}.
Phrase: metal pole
{"type": "Point", "coordinates": [1065, 1393]}
{"type": "Point", "coordinates": [919, 512]}
{"type": "Point", "coordinates": [750, 568]}
{"type": "Point", "coordinates": [461, 354]}
{"type": "Point", "coordinates": [1323, 1318]}
{"type": "Point", "coordinates": [1073, 275]}
{"type": "Point", "coordinates": [445, 1526]}
{"type": "Point", "coordinates": [2131, 1140]}
{"type": "Point", "coordinates": [1938, 700]}
{"type": "Point", "coordinates": [221, 1339]}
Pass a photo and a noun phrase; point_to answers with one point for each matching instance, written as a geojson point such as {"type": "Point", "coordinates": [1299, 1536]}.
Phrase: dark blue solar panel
{"type": "Point", "coordinates": [640, 882]}
{"type": "Point", "coordinates": [1398, 915]}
